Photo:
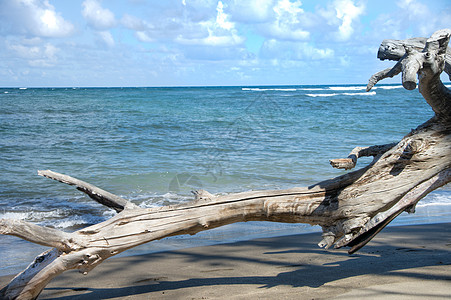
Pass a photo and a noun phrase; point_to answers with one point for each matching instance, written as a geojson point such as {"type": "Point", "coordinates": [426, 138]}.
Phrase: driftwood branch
{"type": "Point", "coordinates": [396, 50]}
{"type": "Point", "coordinates": [103, 197]}
{"type": "Point", "coordinates": [351, 209]}
{"type": "Point", "coordinates": [39, 235]}
{"type": "Point", "coordinates": [428, 62]}
{"type": "Point", "coordinates": [387, 73]}
{"type": "Point", "coordinates": [350, 162]}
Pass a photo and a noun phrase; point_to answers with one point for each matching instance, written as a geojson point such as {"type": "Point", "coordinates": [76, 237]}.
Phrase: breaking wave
{"type": "Point", "coordinates": [269, 89]}
{"type": "Point", "coordinates": [342, 94]}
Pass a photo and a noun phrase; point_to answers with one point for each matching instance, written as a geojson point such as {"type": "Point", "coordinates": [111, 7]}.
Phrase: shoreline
{"type": "Point", "coordinates": [408, 262]}
{"type": "Point", "coordinates": [24, 252]}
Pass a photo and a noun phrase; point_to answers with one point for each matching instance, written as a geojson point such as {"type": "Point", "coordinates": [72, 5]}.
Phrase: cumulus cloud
{"type": "Point", "coordinates": [221, 31]}
{"type": "Point", "coordinates": [411, 18]}
{"type": "Point", "coordinates": [98, 17]}
{"type": "Point", "coordinates": [347, 12]}
{"type": "Point", "coordinates": [251, 11]}
{"type": "Point", "coordinates": [342, 17]}
{"type": "Point", "coordinates": [181, 37]}
{"type": "Point", "coordinates": [412, 11]}
{"type": "Point", "coordinates": [34, 52]}
{"type": "Point", "coordinates": [288, 50]}
{"type": "Point", "coordinates": [134, 23]}
{"type": "Point", "coordinates": [286, 24]}
{"type": "Point", "coordinates": [187, 26]}
{"type": "Point", "coordinates": [33, 18]}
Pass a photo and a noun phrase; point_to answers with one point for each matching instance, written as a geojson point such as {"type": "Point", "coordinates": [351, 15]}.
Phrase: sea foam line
{"type": "Point", "coordinates": [312, 89]}
{"type": "Point", "coordinates": [269, 89]}
{"type": "Point", "coordinates": [347, 88]}
{"type": "Point", "coordinates": [343, 94]}
{"type": "Point", "coordinates": [388, 87]}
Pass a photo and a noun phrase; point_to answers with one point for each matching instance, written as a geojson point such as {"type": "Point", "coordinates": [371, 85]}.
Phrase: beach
{"type": "Point", "coordinates": [402, 262]}
{"type": "Point", "coordinates": [153, 146]}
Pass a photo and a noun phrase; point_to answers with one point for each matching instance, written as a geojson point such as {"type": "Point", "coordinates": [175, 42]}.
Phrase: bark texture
{"type": "Point", "coordinates": [351, 208]}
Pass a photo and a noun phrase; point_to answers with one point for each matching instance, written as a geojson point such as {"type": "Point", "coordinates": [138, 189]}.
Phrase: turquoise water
{"type": "Point", "coordinates": [154, 145]}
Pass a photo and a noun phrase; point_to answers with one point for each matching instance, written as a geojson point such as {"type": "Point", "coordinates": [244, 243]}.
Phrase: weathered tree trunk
{"type": "Point", "coordinates": [351, 208]}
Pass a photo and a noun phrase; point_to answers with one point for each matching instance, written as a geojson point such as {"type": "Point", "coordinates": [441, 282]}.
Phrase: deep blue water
{"type": "Point", "coordinates": [154, 145]}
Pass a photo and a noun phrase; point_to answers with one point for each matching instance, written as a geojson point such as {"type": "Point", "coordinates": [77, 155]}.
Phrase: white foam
{"type": "Point", "coordinates": [35, 216]}
{"type": "Point", "coordinates": [69, 223]}
{"type": "Point", "coordinates": [149, 200]}
{"type": "Point", "coordinates": [341, 94]}
{"type": "Point", "coordinates": [76, 221]}
{"type": "Point", "coordinates": [361, 94]}
{"type": "Point", "coordinates": [388, 87]}
{"type": "Point", "coordinates": [170, 195]}
{"type": "Point", "coordinates": [312, 89]}
{"type": "Point", "coordinates": [347, 88]}
{"type": "Point", "coordinates": [269, 89]}
{"type": "Point", "coordinates": [14, 215]}
{"type": "Point", "coordinates": [322, 95]}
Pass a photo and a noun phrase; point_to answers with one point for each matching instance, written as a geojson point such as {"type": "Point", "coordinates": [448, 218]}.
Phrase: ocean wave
{"type": "Point", "coordinates": [150, 200]}
{"type": "Point", "coordinates": [312, 89]}
{"type": "Point", "coordinates": [32, 216]}
{"type": "Point", "coordinates": [347, 88]}
{"type": "Point", "coordinates": [343, 94]}
{"type": "Point", "coordinates": [388, 87]}
{"type": "Point", "coordinates": [323, 95]}
{"type": "Point", "coordinates": [76, 221]}
{"type": "Point", "coordinates": [58, 218]}
{"type": "Point", "coordinates": [269, 89]}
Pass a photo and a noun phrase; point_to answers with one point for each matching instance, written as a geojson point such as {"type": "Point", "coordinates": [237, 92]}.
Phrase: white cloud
{"type": "Point", "coordinates": [143, 37]}
{"type": "Point", "coordinates": [134, 23]}
{"type": "Point", "coordinates": [106, 38]}
{"type": "Point", "coordinates": [221, 31]}
{"type": "Point", "coordinates": [295, 51]}
{"type": "Point", "coordinates": [252, 11]}
{"type": "Point", "coordinates": [34, 52]}
{"type": "Point", "coordinates": [412, 11]}
{"type": "Point", "coordinates": [203, 41]}
{"type": "Point", "coordinates": [33, 18]}
{"type": "Point", "coordinates": [341, 16]}
{"type": "Point", "coordinates": [347, 12]}
{"type": "Point", "coordinates": [98, 17]}
{"type": "Point", "coordinates": [179, 27]}
{"type": "Point", "coordinates": [412, 18]}
{"type": "Point", "coordinates": [212, 40]}
{"type": "Point", "coordinates": [222, 18]}
{"type": "Point", "coordinates": [286, 24]}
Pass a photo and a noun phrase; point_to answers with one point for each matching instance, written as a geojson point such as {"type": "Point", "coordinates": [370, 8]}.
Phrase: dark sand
{"type": "Point", "coordinates": [409, 262]}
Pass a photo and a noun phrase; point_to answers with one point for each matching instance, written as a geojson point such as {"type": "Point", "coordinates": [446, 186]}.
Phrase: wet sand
{"type": "Point", "coordinates": [406, 262]}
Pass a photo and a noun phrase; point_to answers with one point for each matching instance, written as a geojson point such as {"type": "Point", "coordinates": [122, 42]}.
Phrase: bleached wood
{"type": "Point", "coordinates": [350, 162]}
{"type": "Point", "coordinates": [103, 197]}
{"type": "Point", "coordinates": [39, 235]}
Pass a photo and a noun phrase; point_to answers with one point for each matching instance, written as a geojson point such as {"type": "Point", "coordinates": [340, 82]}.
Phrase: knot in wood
{"type": "Point", "coordinates": [412, 148]}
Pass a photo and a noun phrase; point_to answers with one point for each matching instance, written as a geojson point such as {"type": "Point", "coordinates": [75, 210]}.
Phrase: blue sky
{"type": "Point", "coordinates": [202, 42]}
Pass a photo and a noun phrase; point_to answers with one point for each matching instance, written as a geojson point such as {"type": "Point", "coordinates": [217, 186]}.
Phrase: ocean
{"type": "Point", "coordinates": [154, 146]}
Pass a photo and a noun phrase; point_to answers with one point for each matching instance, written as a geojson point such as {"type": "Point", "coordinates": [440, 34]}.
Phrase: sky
{"type": "Point", "coordinates": [128, 43]}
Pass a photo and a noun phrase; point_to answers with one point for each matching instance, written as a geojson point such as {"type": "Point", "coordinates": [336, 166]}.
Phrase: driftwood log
{"type": "Point", "coordinates": [351, 208]}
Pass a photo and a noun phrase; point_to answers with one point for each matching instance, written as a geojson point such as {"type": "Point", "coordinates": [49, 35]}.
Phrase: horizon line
{"type": "Point", "coordinates": [192, 86]}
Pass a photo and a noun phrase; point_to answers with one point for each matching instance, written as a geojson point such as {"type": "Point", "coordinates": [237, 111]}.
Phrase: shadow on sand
{"type": "Point", "coordinates": [293, 261]}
